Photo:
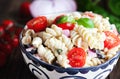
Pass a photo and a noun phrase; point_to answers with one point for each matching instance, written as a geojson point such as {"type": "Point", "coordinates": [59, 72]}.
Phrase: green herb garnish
{"type": "Point", "coordinates": [59, 51]}
{"type": "Point", "coordinates": [86, 22]}
{"type": "Point", "coordinates": [64, 19]}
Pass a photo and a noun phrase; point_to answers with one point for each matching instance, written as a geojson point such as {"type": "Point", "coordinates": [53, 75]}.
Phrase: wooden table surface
{"type": "Point", "coordinates": [15, 67]}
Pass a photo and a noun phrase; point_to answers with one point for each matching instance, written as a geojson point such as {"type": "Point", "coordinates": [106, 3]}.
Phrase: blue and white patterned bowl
{"type": "Point", "coordinates": [44, 70]}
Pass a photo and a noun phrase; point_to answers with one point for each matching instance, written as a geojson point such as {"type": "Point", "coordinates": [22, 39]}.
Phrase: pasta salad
{"type": "Point", "coordinates": [71, 39]}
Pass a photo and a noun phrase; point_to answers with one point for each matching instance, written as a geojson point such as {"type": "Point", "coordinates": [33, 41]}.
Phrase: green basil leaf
{"type": "Point", "coordinates": [86, 22]}
{"type": "Point", "coordinates": [64, 19]}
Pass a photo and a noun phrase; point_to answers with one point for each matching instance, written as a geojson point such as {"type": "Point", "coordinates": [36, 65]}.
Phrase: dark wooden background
{"type": "Point", "coordinates": [15, 67]}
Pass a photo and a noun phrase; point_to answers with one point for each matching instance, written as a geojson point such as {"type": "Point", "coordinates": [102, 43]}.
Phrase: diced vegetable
{"type": "Point", "coordinates": [112, 40]}
{"type": "Point", "coordinates": [77, 57]}
{"type": "Point", "coordinates": [65, 22]}
{"type": "Point", "coordinates": [38, 23]}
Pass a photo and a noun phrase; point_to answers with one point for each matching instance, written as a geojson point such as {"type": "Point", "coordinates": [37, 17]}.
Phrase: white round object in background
{"type": "Point", "coordinates": [43, 7]}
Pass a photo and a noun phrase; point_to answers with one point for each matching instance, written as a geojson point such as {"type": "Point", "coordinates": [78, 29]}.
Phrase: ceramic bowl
{"type": "Point", "coordinates": [43, 70]}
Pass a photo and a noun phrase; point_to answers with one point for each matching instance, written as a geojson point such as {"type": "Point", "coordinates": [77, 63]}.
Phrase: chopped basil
{"type": "Point", "coordinates": [59, 51]}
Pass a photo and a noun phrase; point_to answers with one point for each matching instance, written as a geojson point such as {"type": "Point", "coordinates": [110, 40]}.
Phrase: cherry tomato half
{"type": "Point", "coordinates": [25, 9]}
{"type": "Point", "coordinates": [66, 25]}
{"type": "Point", "coordinates": [111, 40]}
{"type": "Point", "coordinates": [90, 14]}
{"type": "Point", "coordinates": [1, 31]}
{"type": "Point", "coordinates": [7, 24]}
{"type": "Point", "coordinates": [76, 57]}
{"type": "Point", "coordinates": [38, 23]}
{"type": "Point", "coordinates": [65, 22]}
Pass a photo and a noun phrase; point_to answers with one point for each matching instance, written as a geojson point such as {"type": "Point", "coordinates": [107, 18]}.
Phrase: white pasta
{"type": "Point", "coordinates": [91, 37]}
{"type": "Point", "coordinates": [112, 52]}
{"type": "Point", "coordinates": [45, 54]}
{"type": "Point", "coordinates": [76, 15]}
{"type": "Point", "coordinates": [51, 31]}
{"type": "Point", "coordinates": [36, 42]}
{"type": "Point", "coordinates": [57, 29]}
{"type": "Point", "coordinates": [88, 62]}
{"type": "Point", "coordinates": [54, 31]}
{"type": "Point", "coordinates": [101, 23]}
{"type": "Point", "coordinates": [93, 62]}
{"type": "Point", "coordinates": [49, 55]}
{"type": "Point", "coordinates": [67, 41]}
{"type": "Point", "coordinates": [50, 20]}
{"type": "Point", "coordinates": [106, 23]}
{"type": "Point", "coordinates": [55, 45]}
{"type": "Point", "coordinates": [76, 39]}
{"type": "Point", "coordinates": [29, 32]}
{"type": "Point", "coordinates": [87, 36]}
{"type": "Point", "coordinates": [63, 61]}
{"type": "Point", "coordinates": [41, 51]}
{"type": "Point", "coordinates": [100, 40]}
{"type": "Point", "coordinates": [26, 40]}
{"type": "Point", "coordinates": [85, 46]}
{"type": "Point", "coordinates": [27, 36]}
{"type": "Point", "coordinates": [59, 50]}
{"type": "Point", "coordinates": [45, 36]}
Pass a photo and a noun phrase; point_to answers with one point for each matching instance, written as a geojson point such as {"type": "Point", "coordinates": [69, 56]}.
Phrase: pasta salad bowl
{"type": "Point", "coordinates": [70, 45]}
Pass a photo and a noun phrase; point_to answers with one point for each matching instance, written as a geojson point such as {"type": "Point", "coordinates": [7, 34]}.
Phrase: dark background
{"type": "Point", "coordinates": [15, 67]}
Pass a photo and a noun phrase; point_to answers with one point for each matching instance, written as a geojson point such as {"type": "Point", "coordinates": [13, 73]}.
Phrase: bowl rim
{"type": "Point", "coordinates": [33, 58]}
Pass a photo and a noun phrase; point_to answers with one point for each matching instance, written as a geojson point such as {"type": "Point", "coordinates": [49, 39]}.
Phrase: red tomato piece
{"type": "Point", "coordinates": [25, 9]}
{"type": "Point", "coordinates": [7, 24]}
{"type": "Point", "coordinates": [77, 57]}
{"type": "Point", "coordinates": [90, 14]}
{"type": "Point", "coordinates": [66, 25]}
{"type": "Point", "coordinates": [15, 41]}
{"type": "Point", "coordinates": [38, 23]}
{"type": "Point", "coordinates": [1, 31]}
{"type": "Point", "coordinates": [111, 40]}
